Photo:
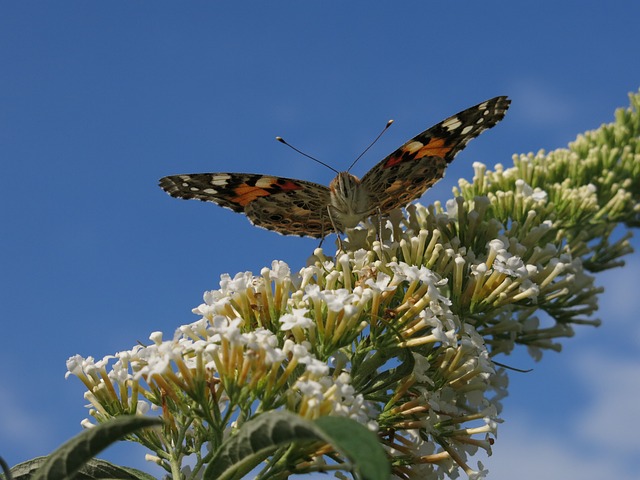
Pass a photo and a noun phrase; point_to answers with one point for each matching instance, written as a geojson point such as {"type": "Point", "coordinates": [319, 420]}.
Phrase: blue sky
{"type": "Point", "coordinates": [98, 100]}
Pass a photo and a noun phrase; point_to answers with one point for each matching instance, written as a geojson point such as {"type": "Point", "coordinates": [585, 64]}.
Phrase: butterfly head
{"type": "Point", "coordinates": [350, 201]}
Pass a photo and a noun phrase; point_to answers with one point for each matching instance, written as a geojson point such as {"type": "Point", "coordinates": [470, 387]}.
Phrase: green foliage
{"type": "Point", "coordinates": [94, 469]}
{"type": "Point", "coordinates": [261, 437]}
{"type": "Point", "coordinates": [74, 459]}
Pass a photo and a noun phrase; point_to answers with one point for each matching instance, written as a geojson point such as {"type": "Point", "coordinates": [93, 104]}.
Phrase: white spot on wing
{"type": "Point", "coordinates": [265, 182]}
{"type": "Point", "coordinates": [412, 147]}
{"type": "Point", "coordinates": [452, 123]}
{"type": "Point", "coordinates": [220, 179]}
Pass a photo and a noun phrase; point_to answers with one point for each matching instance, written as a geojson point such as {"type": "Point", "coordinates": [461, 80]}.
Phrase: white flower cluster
{"type": "Point", "coordinates": [394, 332]}
{"type": "Point", "coordinates": [303, 342]}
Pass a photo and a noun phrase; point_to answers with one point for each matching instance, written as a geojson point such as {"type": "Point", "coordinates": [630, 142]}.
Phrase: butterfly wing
{"type": "Point", "coordinates": [407, 173]}
{"type": "Point", "coordinates": [285, 205]}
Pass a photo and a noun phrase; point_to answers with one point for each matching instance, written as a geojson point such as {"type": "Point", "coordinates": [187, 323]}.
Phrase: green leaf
{"type": "Point", "coordinates": [361, 446]}
{"type": "Point", "coordinates": [93, 469]}
{"type": "Point", "coordinates": [70, 458]}
{"type": "Point", "coordinates": [260, 437]}
{"type": "Point", "coordinates": [255, 441]}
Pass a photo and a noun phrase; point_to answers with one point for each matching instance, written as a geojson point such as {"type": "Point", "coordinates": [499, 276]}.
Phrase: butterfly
{"type": "Point", "coordinates": [297, 207]}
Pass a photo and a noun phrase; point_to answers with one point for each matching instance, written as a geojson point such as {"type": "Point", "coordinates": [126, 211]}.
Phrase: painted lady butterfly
{"type": "Point", "coordinates": [298, 207]}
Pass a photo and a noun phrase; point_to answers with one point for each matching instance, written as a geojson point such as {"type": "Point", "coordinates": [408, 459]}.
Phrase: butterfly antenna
{"type": "Point", "coordinates": [371, 144]}
{"type": "Point", "coordinates": [282, 140]}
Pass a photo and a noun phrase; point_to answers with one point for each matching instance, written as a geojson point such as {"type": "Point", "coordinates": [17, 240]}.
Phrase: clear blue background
{"type": "Point", "coordinates": [98, 100]}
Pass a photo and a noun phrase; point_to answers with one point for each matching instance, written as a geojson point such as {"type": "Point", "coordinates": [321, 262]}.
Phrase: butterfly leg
{"type": "Point", "coordinates": [322, 232]}
{"type": "Point", "coordinates": [322, 240]}
{"type": "Point", "coordinates": [379, 219]}
{"type": "Point", "coordinates": [335, 229]}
